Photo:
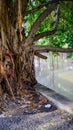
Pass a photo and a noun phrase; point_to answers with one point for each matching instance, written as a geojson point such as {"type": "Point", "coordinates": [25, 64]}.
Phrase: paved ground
{"type": "Point", "coordinates": [56, 120]}
{"type": "Point", "coordinates": [60, 101]}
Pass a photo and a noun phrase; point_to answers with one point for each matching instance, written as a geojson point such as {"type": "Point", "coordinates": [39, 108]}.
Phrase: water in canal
{"type": "Point", "coordinates": [56, 73]}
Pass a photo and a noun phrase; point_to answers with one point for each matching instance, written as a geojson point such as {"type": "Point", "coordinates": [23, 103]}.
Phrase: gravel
{"type": "Point", "coordinates": [55, 120]}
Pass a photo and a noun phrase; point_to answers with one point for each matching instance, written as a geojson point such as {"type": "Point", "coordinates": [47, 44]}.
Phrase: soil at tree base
{"type": "Point", "coordinates": [30, 103]}
{"type": "Point", "coordinates": [29, 113]}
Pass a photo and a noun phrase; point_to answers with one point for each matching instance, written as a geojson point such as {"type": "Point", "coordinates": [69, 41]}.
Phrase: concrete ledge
{"type": "Point", "coordinates": [60, 101]}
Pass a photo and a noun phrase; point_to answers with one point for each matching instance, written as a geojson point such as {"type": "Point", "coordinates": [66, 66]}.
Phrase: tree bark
{"type": "Point", "coordinates": [53, 49]}
{"type": "Point", "coordinates": [17, 62]}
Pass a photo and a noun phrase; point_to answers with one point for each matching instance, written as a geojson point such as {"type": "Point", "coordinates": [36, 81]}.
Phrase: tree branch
{"type": "Point", "coordinates": [47, 33]}
{"type": "Point", "coordinates": [40, 55]}
{"type": "Point", "coordinates": [36, 25]}
{"type": "Point", "coordinates": [44, 4]}
{"type": "Point", "coordinates": [53, 49]}
{"type": "Point", "coordinates": [44, 34]}
{"type": "Point", "coordinates": [36, 8]}
{"type": "Point", "coordinates": [53, 1]}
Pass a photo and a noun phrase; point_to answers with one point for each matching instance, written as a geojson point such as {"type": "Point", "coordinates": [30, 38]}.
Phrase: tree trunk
{"type": "Point", "coordinates": [17, 70]}
{"type": "Point", "coordinates": [16, 62]}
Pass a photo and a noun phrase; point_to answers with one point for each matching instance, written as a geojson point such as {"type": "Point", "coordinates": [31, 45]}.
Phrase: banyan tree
{"type": "Point", "coordinates": [17, 49]}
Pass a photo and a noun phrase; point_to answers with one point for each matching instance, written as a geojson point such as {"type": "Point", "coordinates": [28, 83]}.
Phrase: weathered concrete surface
{"type": "Point", "coordinates": [55, 120]}
{"type": "Point", "coordinates": [60, 101]}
